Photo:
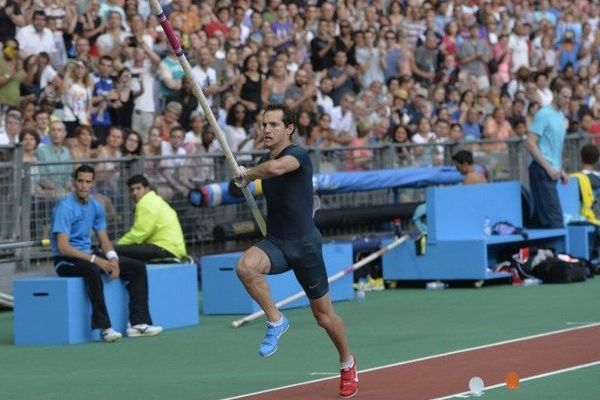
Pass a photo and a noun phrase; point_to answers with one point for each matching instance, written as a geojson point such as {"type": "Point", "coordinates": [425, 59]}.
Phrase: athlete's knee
{"type": "Point", "coordinates": [249, 266]}
{"type": "Point", "coordinates": [326, 321]}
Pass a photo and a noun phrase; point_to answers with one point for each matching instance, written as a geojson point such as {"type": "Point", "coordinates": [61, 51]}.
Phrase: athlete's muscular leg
{"type": "Point", "coordinates": [251, 269]}
{"type": "Point", "coordinates": [333, 324]}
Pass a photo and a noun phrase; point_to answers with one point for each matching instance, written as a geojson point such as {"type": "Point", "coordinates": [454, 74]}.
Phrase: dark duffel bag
{"type": "Point", "coordinates": [555, 270]}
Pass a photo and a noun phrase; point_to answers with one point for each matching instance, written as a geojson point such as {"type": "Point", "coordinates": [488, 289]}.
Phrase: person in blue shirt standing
{"type": "Point", "coordinates": [73, 218]}
{"type": "Point", "coordinates": [103, 85]}
{"type": "Point", "coordinates": [292, 242]}
{"type": "Point", "coordinates": [545, 144]}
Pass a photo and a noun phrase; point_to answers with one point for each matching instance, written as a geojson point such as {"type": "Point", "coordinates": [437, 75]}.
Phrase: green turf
{"type": "Point", "coordinates": [213, 361]}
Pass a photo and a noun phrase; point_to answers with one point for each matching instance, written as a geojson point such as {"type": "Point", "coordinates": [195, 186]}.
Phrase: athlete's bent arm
{"type": "Point", "coordinates": [273, 168]}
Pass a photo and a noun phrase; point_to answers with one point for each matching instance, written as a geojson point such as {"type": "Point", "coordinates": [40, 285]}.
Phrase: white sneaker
{"type": "Point", "coordinates": [143, 330]}
{"type": "Point", "coordinates": [110, 335]}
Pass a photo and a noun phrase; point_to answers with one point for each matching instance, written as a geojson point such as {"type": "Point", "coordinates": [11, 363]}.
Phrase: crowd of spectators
{"type": "Point", "coordinates": [356, 72]}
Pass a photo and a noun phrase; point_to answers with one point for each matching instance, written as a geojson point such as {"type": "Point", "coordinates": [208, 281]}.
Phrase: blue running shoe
{"type": "Point", "coordinates": [269, 344]}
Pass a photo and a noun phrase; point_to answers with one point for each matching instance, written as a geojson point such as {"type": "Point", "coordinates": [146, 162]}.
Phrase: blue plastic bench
{"type": "Point", "coordinates": [457, 248]}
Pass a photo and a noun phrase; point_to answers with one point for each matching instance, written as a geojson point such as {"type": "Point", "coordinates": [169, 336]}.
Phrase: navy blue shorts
{"type": "Point", "coordinates": [304, 256]}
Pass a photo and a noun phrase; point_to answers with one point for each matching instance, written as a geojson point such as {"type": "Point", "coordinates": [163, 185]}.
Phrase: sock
{"type": "Point", "coordinates": [347, 364]}
{"type": "Point", "coordinates": [276, 323]}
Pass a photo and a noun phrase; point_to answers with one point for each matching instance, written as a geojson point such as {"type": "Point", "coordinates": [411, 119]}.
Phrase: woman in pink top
{"type": "Point", "coordinates": [497, 127]}
{"type": "Point", "coordinates": [502, 57]}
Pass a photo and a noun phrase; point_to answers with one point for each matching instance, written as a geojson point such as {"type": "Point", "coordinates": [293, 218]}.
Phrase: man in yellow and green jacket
{"type": "Point", "coordinates": [156, 232]}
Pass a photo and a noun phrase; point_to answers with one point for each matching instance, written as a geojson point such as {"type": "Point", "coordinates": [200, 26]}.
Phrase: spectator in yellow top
{"type": "Point", "coordinates": [156, 232]}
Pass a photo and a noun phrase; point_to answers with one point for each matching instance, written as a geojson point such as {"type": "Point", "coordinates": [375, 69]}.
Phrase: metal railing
{"type": "Point", "coordinates": [28, 192]}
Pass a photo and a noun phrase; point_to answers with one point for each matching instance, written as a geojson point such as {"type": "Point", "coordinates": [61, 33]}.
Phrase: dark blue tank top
{"type": "Point", "coordinates": [290, 198]}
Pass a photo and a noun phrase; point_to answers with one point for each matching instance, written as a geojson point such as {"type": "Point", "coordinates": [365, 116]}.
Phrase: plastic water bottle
{"type": "Point", "coordinates": [531, 282]}
{"type": "Point", "coordinates": [360, 292]}
{"type": "Point", "coordinates": [436, 285]}
{"type": "Point", "coordinates": [487, 227]}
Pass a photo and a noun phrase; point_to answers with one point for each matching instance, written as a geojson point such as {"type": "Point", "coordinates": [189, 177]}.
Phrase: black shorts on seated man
{"type": "Point", "coordinates": [73, 218]}
{"type": "Point", "coordinates": [156, 232]}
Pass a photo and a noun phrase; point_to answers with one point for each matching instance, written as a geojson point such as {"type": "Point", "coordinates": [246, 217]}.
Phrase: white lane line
{"type": "Point", "coordinates": [577, 323]}
{"type": "Point", "coordinates": [486, 346]}
{"type": "Point", "coordinates": [529, 378]}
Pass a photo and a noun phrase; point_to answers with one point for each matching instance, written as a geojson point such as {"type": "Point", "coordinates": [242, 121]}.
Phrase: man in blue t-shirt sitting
{"type": "Point", "coordinates": [73, 218]}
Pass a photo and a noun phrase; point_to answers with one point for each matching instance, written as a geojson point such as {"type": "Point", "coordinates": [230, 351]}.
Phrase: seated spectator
{"type": "Point", "coordinates": [156, 232]}
{"type": "Point", "coordinates": [497, 127]}
{"type": "Point", "coordinates": [344, 121]}
{"type": "Point", "coordinates": [109, 172]}
{"type": "Point", "coordinates": [274, 88]}
{"type": "Point", "coordinates": [188, 102]}
{"type": "Point", "coordinates": [400, 137]}
{"type": "Point", "coordinates": [168, 120]}
{"type": "Point", "coordinates": [12, 127]}
{"type": "Point", "coordinates": [56, 178]}
{"type": "Point", "coordinates": [174, 170]}
{"type": "Point", "coordinates": [132, 145]}
{"type": "Point", "coordinates": [424, 154]}
{"type": "Point", "coordinates": [321, 135]}
{"type": "Point", "coordinates": [82, 147]}
{"type": "Point", "coordinates": [471, 127]}
{"type": "Point", "coordinates": [361, 157]}
{"type": "Point", "coordinates": [41, 119]}
{"type": "Point", "coordinates": [304, 125]}
{"type": "Point", "coordinates": [73, 219]}
{"type": "Point", "coordinates": [301, 90]}
{"type": "Point", "coordinates": [153, 152]}
{"type": "Point", "coordinates": [237, 131]}
{"type": "Point", "coordinates": [463, 160]}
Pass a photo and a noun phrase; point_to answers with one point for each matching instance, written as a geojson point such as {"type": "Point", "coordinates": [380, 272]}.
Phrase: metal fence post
{"type": "Point", "coordinates": [315, 158]}
{"type": "Point", "coordinates": [27, 191]}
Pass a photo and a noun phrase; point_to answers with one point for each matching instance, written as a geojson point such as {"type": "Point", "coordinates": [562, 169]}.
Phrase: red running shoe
{"type": "Point", "coordinates": [348, 382]}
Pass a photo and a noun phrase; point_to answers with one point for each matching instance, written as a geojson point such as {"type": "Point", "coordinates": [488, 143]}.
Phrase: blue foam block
{"type": "Point", "coordinates": [223, 293]}
{"type": "Point", "coordinates": [173, 295]}
{"type": "Point", "coordinates": [55, 310]}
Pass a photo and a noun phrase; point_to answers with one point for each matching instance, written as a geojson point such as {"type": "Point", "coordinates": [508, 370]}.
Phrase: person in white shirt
{"type": "Point", "coordinates": [544, 94]}
{"type": "Point", "coordinates": [343, 121]}
{"type": "Point", "coordinates": [144, 67]}
{"type": "Point", "coordinates": [109, 43]}
{"type": "Point", "coordinates": [174, 169]}
{"type": "Point", "coordinates": [205, 75]}
{"type": "Point", "coordinates": [10, 132]}
{"type": "Point", "coordinates": [519, 47]}
{"type": "Point", "coordinates": [35, 38]}
{"type": "Point", "coordinates": [324, 99]}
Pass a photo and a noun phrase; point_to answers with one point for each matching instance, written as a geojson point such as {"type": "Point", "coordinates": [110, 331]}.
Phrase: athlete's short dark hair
{"type": "Point", "coordinates": [288, 114]}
